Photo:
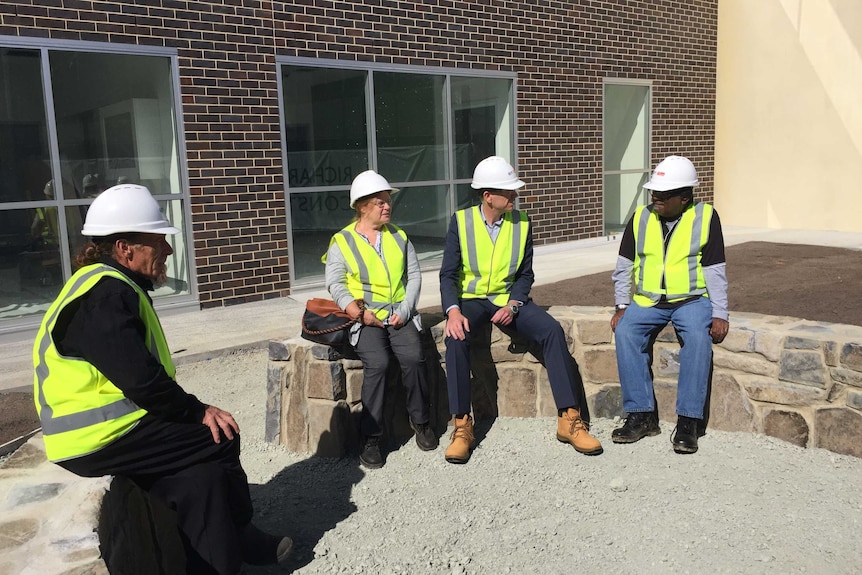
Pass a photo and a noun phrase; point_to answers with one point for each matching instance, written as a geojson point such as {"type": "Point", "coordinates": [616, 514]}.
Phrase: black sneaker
{"type": "Point", "coordinates": [426, 439]}
{"type": "Point", "coordinates": [371, 456]}
{"type": "Point", "coordinates": [637, 426]}
{"type": "Point", "coordinates": [685, 435]}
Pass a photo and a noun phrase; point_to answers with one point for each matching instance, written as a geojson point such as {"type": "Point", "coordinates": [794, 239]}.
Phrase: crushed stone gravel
{"type": "Point", "coordinates": [525, 503]}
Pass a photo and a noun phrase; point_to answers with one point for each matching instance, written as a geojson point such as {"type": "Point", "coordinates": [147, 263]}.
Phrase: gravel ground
{"type": "Point", "coordinates": [527, 504]}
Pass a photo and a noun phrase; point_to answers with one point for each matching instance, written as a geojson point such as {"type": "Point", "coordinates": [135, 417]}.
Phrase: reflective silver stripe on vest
{"type": "Point", "coordinates": [472, 255]}
{"type": "Point", "coordinates": [693, 249]}
{"type": "Point", "coordinates": [516, 246]}
{"type": "Point", "coordinates": [52, 425]}
{"type": "Point", "coordinates": [641, 246]}
{"type": "Point", "coordinates": [364, 276]}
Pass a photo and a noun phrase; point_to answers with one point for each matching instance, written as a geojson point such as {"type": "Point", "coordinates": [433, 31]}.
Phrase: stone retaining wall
{"type": "Point", "coordinates": [796, 380]}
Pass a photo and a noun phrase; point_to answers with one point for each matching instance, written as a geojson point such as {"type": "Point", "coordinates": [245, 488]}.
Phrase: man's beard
{"type": "Point", "coordinates": [161, 276]}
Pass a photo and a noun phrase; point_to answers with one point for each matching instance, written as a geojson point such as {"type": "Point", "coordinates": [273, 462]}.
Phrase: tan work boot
{"type": "Point", "coordinates": [572, 429]}
{"type": "Point", "coordinates": [463, 441]}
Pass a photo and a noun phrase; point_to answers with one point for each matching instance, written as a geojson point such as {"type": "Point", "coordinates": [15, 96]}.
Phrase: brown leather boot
{"type": "Point", "coordinates": [572, 429]}
{"type": "Point", "coordinates": [463, 441]}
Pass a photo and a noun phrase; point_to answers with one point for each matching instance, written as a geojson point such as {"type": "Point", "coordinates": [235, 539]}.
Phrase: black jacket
{"type": "Point", "coordinates": [104, 328]}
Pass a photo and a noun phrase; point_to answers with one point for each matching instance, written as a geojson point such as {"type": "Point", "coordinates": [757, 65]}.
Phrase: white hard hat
{"type": "Point", "coordinates": [126, 208]}
{"type": "Point", "coordinates": [495, 173]}
{"type": "Point", "coordinates": [367, 183]}
{"type": "Point", "coordinates": [672, 173]}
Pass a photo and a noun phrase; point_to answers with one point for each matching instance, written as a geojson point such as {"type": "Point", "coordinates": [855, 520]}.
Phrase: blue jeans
{"type": "Point", "coordinates": [692, 321]}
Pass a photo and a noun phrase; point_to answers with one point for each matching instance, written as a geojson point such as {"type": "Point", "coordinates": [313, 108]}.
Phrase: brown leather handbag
{"type": "Point", "coordinates": [326, 323]}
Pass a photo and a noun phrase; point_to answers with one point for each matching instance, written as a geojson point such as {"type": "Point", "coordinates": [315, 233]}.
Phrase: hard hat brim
{"type": "Point", "coordinates": [666, 187]}
{"type": "Point", "coordinates": [516, 185]}
{"type": "Point", "coordinates": [111, 230]}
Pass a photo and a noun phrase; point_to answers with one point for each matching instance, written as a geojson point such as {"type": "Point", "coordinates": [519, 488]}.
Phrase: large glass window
{"type": "Point", "coordinates": [626, 151]}
{"type": "Point", "coordinates": [325, 123]}
{"type": "Point", "coordinates": [481, 122]}
{"type": "Point", "coordinates": [411, 138]}
{"type": "Point", "coordinates": [424, 131]}
{"type": "Point", "coordinates": [114, 123]}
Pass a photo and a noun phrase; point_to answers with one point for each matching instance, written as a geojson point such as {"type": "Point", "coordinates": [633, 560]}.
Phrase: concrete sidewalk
{"type": "Point", "coordinates": [204, 334]}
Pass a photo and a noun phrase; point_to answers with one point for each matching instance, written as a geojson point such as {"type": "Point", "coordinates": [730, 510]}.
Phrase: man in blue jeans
{"type": "Point", "coordinates": [673, 252]}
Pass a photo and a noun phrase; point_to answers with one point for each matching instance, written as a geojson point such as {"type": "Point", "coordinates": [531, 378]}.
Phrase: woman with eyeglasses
{"type": "Point", "coordinates": [371, 259]}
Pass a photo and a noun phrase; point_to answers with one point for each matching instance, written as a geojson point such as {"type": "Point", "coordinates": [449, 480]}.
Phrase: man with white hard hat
{"type": "Point", "coordinates": [106, 395]}
{"type": "Point", "coordinates": [486, 276]}
{"type": "Point", "coordinates": [672, 256]}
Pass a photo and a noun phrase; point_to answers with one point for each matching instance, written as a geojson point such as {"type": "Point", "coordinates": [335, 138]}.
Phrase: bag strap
{"type": "Point", "coordinates": [350, 322]}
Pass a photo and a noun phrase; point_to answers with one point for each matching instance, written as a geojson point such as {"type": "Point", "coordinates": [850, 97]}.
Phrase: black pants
{"type": "Point", "coordinates": [375, 348]}
{"type": "Point", "coordinates": [180, 465]}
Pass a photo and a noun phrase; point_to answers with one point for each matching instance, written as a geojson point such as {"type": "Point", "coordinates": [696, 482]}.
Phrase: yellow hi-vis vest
{"type": "Point", "coordinates": [679, 265]}
{"type": "Point", "coordinates": [81, 411]}
{"type": "Point", "coordinates": [379, 281]}
{"type": "Point", "coordinates": [488, 268]}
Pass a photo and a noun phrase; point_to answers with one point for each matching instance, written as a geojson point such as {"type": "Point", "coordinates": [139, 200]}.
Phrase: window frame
{"type": "Point", "coordinates": [370, 68]}
{"type": "Point", "coordinates": [45, 46]}
{"type": "Point", "coordinates": [613, 81]}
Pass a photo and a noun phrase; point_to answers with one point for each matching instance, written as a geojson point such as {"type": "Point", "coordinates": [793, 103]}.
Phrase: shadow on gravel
{"type": "Point", "coordinates": [304, 501]}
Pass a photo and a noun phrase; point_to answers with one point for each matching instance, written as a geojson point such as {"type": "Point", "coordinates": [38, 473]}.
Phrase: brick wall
{"type": "Point", "coordinates": [560, 50]}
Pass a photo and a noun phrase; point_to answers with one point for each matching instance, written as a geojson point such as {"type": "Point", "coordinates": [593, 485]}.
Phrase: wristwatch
{"type": "Point", "coordinates": [621, 306]}
{"type": "Point", "coordinates": [515, 308]}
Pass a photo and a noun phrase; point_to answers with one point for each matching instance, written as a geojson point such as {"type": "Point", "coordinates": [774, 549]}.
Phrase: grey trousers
{"type": "Point", "coordinates": [376, 348]}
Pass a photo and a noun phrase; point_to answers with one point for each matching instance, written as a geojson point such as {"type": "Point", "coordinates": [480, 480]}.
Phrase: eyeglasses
{"type": "Point", "coordinates": [664, 196]}
{"type": "Point", "coordinates": [377, 202]}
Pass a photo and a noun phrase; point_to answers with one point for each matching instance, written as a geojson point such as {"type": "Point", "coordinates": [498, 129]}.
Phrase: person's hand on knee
{"type": "Point", "coordinates": [220, 421]}
{"type": "Point", "coordinates": [457, 325]}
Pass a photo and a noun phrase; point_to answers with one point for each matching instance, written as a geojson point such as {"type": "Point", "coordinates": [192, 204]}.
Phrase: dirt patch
{"type": "Point", "coordinates": [809, 282]}
{"type": "Point", "coordinates": [17, 415]}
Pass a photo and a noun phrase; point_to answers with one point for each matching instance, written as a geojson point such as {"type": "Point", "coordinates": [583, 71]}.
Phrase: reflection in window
{"type": "Point", "coordinates": [115, 122]}
{"type": "Point", "coordinates": [423, 213]}
{"type": "Point", "coordinates": [314, 217]}
{"type": "Point", "coordinates": [330, 137]}
{"type": "Point", "coordinates": [626, 151]}
{"type": "Point", "coordinates": [24, 162]}
{"type": "Point", "coordinates": [30, 266]}
{"type": "Point", "coordinates": [324, 116]}
{"type": "Point", "coordinates": [114, 117]}
{"type": "Point", "coordinates": [411, 133]}
{"type": "Point", "coordinates": [481, 121]}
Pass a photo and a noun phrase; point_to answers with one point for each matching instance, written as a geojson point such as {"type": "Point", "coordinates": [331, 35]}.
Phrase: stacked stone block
{"type": "Point", "coordinates": [797, 380]}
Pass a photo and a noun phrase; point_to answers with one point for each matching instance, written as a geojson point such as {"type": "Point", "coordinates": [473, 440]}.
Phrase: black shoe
{"type": "Point", "coordinates": [637, 426]}
{"type": "Point", "coordinates": [371, 456]}
{"type": "Point", "coordinates": [261, 548]}
{"type": "Point", "coordinates": [426, 439]}
{"type": "Point", "coordinates": [685, 435]}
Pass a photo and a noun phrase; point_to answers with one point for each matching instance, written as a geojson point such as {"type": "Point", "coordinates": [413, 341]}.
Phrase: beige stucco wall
{"type": "Point", "coordinates": [789, 114]}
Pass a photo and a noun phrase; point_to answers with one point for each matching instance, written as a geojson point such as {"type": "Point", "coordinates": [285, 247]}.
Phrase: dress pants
{"type": "Point", "coordinates": [532, 322]}
{"type": "Point", "coordinates": [180, 465]}
{"type": "Point", "coordinates": [375, 348]}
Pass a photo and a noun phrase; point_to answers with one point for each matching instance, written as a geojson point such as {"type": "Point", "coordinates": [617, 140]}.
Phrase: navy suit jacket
{"type": "Point", "coordinates": [450, 270]}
